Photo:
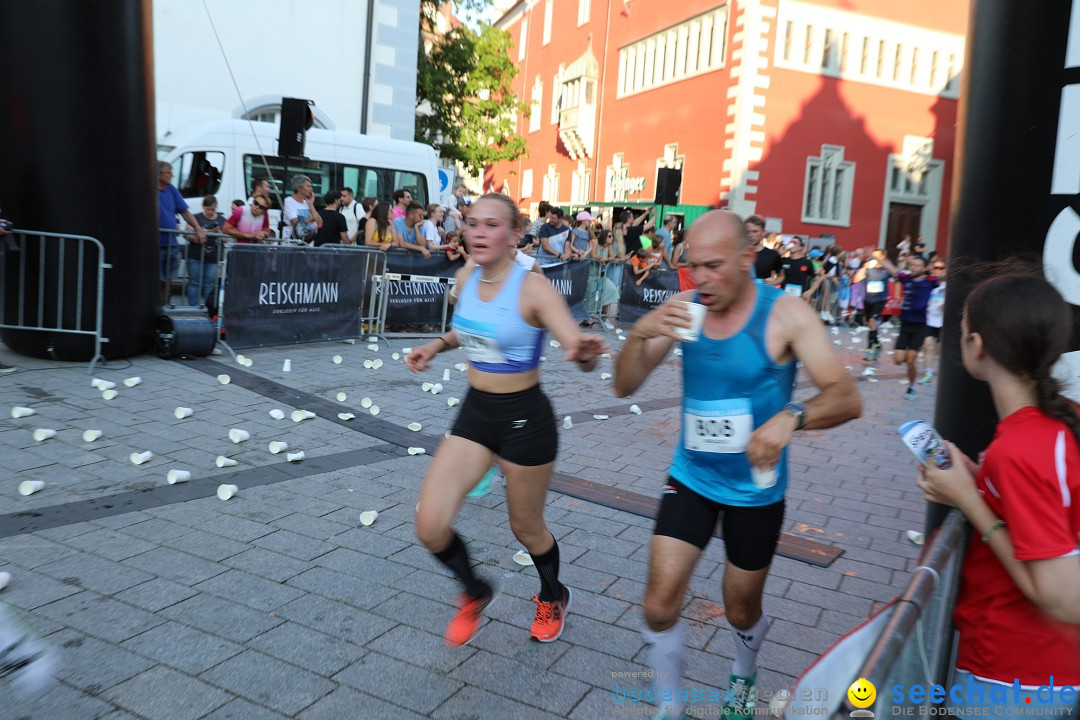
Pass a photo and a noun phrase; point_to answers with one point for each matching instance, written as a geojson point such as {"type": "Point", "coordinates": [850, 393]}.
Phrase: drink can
{"type": "Point", "coordinates": [925, 443]}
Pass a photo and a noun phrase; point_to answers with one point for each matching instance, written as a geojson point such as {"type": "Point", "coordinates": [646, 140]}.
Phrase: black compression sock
{"type": "Point", "coordinates": [547, 566]}
{"type": "Point", "coordinates": [872, 340]}
{"type": "Point", "coordinates": [456, 557]}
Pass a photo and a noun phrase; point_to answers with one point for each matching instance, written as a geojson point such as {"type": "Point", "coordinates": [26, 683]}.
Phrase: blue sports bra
{"type": "Point", "coordinates": [494, 335]}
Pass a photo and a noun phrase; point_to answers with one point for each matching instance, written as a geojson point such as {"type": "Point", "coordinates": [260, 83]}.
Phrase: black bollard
{"type": "Point", "coordinates": [1017, 182]}
{"type": "Point", "coordinates": [78, 158]}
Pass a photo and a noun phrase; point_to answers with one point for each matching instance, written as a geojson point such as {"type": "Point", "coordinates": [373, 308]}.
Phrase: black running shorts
{"type": "Point", "coordinates": [750, 533]}
{"type": "Point", "coordinates": [518, 427]}
{"type": "Point", "coordinates": [911, 336]}
{"type": "Point", "coordinates": [933, 332]}
{"type": "Point", "coordinates": [873, 308]}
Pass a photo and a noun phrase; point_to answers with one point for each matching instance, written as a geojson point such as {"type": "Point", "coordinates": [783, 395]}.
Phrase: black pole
{"type": "Point", "coordinates": [1017, 180]}
{"type": "Point", "coordinates": [77, 144]}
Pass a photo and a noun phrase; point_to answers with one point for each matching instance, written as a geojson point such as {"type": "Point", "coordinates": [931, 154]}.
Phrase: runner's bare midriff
{"type": "Point", "coordinates": [503, 382]}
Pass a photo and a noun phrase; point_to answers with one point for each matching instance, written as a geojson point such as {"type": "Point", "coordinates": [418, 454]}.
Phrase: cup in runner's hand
{"type": "Point", "coordinates": [697, 319]}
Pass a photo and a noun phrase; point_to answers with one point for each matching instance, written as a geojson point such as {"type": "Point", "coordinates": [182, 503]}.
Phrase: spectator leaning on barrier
{"type": "Point", "coordinates": [378, 231]}
{"type": "Point", "coordinates": [302, 219]}
{"type": "Point", "coordinates": [334, 227]}
{"type": "Point", "coordinates": [260, 186]}
{"type": "Point", "coordinates": [353, 211]}
{"type": "Point", "coordinates": [171, 204]}
{"type": "Point", "coordinates": [432, 226]}
{"type": "Point", "coordinates": [664, 232]}
{"type": "Point", "coordinates": [247, 224]}
{"type": "Point", "coordinates": [581, 237]}
{"type": "Point", "coordinates": [552, 237]}
{"type": "Point", "coordinates": [402, 199]}
{"type": "Point", "coordinates": [407, 234]}
{"type": "Point", "coordinates": [202, 257]}
{"type": "Point", "coordinates": [543, 216]}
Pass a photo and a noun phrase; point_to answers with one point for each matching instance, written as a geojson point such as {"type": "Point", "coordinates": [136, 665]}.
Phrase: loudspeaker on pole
{"type": "Point", "coordinates": [668, 185]}
{"type": "Point", "coordinates": [296, 120]}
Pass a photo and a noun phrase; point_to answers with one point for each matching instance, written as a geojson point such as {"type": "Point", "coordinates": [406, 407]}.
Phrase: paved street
{"type": "Point", "coordinates": [164, 602]}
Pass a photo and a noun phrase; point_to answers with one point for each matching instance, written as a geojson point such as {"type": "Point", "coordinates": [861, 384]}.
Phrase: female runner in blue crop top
{"type": "Point", "coordinates": [502, 312]}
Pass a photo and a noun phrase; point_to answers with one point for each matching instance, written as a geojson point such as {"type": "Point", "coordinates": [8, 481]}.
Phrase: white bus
{"type": "Point", "coordinates": [222, 158]}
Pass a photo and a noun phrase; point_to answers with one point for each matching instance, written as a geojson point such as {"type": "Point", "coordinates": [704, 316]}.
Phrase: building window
{"type": "Point", "coordinates": [534, 107]}
{"type": "Point", "coordinates": [693, 47]}
{"type": "Point", "coordinates": [549, 10]}
{"type": "Point", "coordinates": [557, 95]}
{"type": "Point", "coordinates": [551, 185]}
{"type": "Point", "coordinates": [522, 38]}
{"type": "Point", "coordinates": [584, 8]}
{"type": "Point", "coordinates": [526, 183]}
{"type": "Point", "coordinates": [822, 41]}
{"type": "Point", "coordinates": [828, 190]}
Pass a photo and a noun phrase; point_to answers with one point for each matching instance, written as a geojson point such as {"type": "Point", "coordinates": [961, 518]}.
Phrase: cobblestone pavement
{"type": "Point", "coordinates": [162, 601]}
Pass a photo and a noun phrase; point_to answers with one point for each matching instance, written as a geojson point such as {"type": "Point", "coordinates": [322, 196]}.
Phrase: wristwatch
{"type": "Point", "coordinates": [798, 411]}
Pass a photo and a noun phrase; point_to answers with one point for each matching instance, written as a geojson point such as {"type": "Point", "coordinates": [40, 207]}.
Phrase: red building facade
{"type": "Point", "coordinates": [826, 117]}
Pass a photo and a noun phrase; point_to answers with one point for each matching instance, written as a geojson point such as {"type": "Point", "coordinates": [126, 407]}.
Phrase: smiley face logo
{"type": "Point", "coordinates": [862, 693]}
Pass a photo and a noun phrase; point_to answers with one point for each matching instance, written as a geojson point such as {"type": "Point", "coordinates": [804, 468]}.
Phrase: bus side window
{"type": "Point", "coordinates": [199, 173]}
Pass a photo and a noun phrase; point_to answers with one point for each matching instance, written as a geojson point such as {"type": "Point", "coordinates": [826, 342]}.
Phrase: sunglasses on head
{"type": "Point", "coordinates": [260, 205]}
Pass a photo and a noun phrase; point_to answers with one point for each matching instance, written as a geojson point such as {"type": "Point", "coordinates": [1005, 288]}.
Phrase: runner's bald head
{"type": "Point", "coordinates": [718, 224]}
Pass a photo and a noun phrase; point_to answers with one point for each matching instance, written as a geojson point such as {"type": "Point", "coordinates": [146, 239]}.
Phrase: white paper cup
{"type": "Point", "coordinates": [417, 451]}
{"type": "Point", "coordinates": [374, 409]}
{"type": "Point", "coordinates": [406, 351]}
{"type": "Point", "coordinates": [177, 476]}
{"type": "Point", "coordinates": [763, 478]}
{"type": "Point", "coordinates": [395, 356]}
{"type": "Point", "coordinates": [373, 347]}
{"type": "Point", "coordinates": [238, 436]}
{"type": "Point", "coordinates": [102, 385]}
{"type": "Point", "coordinates": [342, 397]}
{"type": "Point", "coordinates": [426, 387]}
{"type": "Point", "coordinates": [5, 579]}
{"type": "Point", "coordinates": [368, 516]}
{"type": "Point", "coordinates": [140, 458]}
{"type": "Point", "coordinates": [224, 379]}
{"type": "Point", "coordinates": [240, 359]}
{"type": "Point", "coordinates": [697, 319]}
{"type": "Point", "coordinates": [446, 375]}
{"type": "Point", "coordinates": [44, 434]}
{"type": "Point", "coordinates": [29, 487]}
{"type": "Point", "coordinates": [248, 362]}
{"type": "Point", "coordinates": [462, 367]}
{"type": "Point", "coordinates": [376, 364]}
{"type": "Point", "coordinates": [133, 381]}
{"type": "Point", "coordinates": [277, 414]}
{"type": "Point", "coordinates": [365, 403]}
{"type": "Point", "coordinates": [345, 416]}
{"type": "Point", "coordinates": [414, 426]}
{"type": "Point", "coordinates": [368, 364]}
{"type": "Point", "coordinates": [567, 423]}
{"type": "Point", "coordinates": [91, 435]}
{"type": "Point", "coordinates": [21, 412]}
{"type": "Point", "coordinates": [301, 415]}
{"type": "Point", "coordinates": [635, 409]}
{"type": "Point", "coordinates": [286, 366]}
{"type": "Point", "coordinates": [182, 412]}
{"type": "Point", "coordinates": [278, 447]}
{"type": "Point", "coordinates": [452, 401]}
{"type": "Point", "coordinates": [338, 359]}
{"type": "Point", "coordinates": [436, 388]}
{"type": "Point", "coordinates": [224, 492]}
{"type": "Point", "coordinates": [295, 457]}
{"type": "Point", "coordinates": [109, 394]}
{"type": "Point", "coordinates": [605, 376]}
{"type": "Point", "coordinates": [223, 461]}
{"type": "Point", "coordinates": [521, 557]}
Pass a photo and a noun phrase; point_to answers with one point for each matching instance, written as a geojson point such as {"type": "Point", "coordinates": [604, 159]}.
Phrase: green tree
{"type": "Point", "coordinates": [465, 81]}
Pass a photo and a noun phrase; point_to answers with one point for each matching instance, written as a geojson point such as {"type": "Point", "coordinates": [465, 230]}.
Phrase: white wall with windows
{"type": "Point", "coordinates": [192, 82]}
{"type": "Point", "coordinates": [847, 45]}
{"type": "Point", "coordinates": [692, 47]}
{"type": "Point", "coordinates": [827, 192]}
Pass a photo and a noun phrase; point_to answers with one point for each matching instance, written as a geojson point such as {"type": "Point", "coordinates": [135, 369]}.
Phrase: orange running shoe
{"type": "Point", "coordinates": [550, 618]}
{"type": "Point", "coordinates": [464, 626]}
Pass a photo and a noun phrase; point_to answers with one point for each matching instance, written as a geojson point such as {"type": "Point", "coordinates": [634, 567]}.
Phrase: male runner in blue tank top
{"type": "Point", "coordinates": [732, 460]}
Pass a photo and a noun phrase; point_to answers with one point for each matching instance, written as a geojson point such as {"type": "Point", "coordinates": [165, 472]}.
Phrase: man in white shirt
{"type": "Point", "coordinates": [301, 217]}
{"type": "Point", "coordinates": [352, 211]}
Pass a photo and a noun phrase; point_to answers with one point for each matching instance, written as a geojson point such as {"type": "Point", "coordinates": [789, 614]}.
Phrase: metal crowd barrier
{"type": "Point", "coordinates": [373, 312]}
{"type": "Point", "coordinates": [915, 647]}
{"type": "Point", "coordinates": [71, 315]}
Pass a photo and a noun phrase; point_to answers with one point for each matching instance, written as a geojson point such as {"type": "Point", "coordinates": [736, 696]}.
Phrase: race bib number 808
{"type": "Point", "coordinates": [718, 426]}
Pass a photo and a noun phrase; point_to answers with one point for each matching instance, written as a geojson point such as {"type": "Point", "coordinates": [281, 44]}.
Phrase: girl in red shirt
{"type": "Point", "coordinates": [1018, 609]}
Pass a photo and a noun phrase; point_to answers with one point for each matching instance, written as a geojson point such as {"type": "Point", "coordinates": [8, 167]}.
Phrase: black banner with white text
{"type": "Point", "coordinates": [281, 295]}
{"type": "Point", "coordinates": [572, 281]}
{"type": "Point", "coordinates": [418, 300]}
{"type": "Point", "coordinates": [636, 300]}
